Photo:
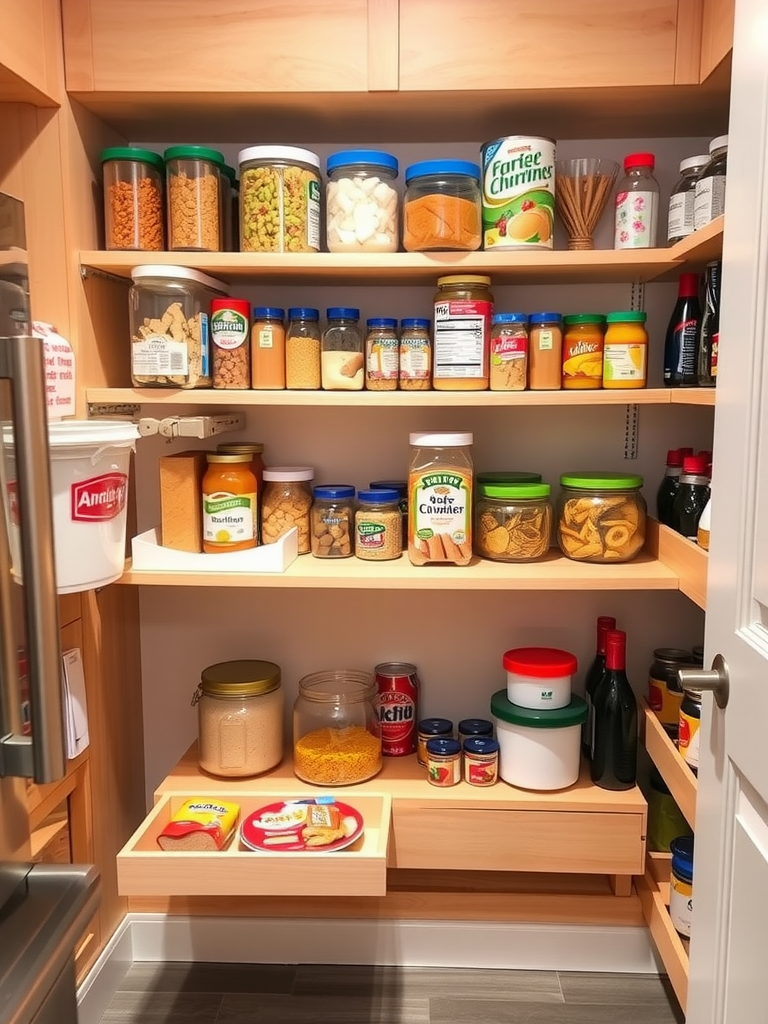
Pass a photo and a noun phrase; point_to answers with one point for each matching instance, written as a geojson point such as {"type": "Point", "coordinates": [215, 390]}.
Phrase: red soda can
{"type": "Point", "coordinates": [398, 686]}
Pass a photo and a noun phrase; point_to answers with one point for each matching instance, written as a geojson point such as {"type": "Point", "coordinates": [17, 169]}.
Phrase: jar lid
{"type": "Point", "coordinates": [442, 167]}
{"type": "Point", "coordinates": [475, 727]}
{"type": "Point", "coordinates": [147, 271]}
{"type": "Point", "coordinates": [513, 490]}
{"type": "Point", "coordinates": [370, 157]}
{"type": "Point", "coordinates": [574, 713]}
{"type": "Point", "coordinates": [639, 160]}
{"type": "Point", "coordinates": [463, 279]}
{"type": "Point", "coordinates": [509, 318]}
{"type": "Point", "coordinates": [583, 318]}
{"type": "Point", "coordinates": [272, 312]}
{"type": "Point", "coordinates": [303, 313]}
{"type": "Point", "coordinates": [443, 746]}
{"type": "Point", "coordinates": [694, 161]}
{"type": "Point", "coordinates": [228, 457]}
{"type": "Point", "coordinates": [280, 154]}
{"type": "Point", "coordinates": [672, 654]}
{"type": "Point", "coordinates": [435, 726]}
{"type": "Point", "coordinates": [237, 447]}
{"type": "Point", "coordinates": [540, 662]}
{"type": "Point", "coordinates": [240, 678]}
{"type": "Point", "coordinates": [627, 316]}
{"type": "Point", "coordinates": [504, 476]}
{"type": "Point", "coordinates": [720, 142]}
{"type": "Point", "coordinates": [382, 321]}
{"type": "Point", "coordinates": [481, 745]}
{"type": "Point", "coordinates": [401, 486]}
{"type": "Point", "coordinates": [440, 440]}
{"type": "Point", "coordinates": [231, 173]}
{"type": "Point", "coordinates": [287, 473]}
{"type": "Point", "coordinates": [379, 495]}
{"type": "Point", "coordinates": [332, 492]}
{"type": "Point", "coordinates": [195, 153]}
{"type": "Point", "coordinates": [681, 849]}
{"type": "Point", "coordinates": [545, 318]}
{"type": "Point", "coordinates": [342, 313]}
{"type": "Point", "coordinates": [144, 156]}
{"type": "Point", "coordinates": [415, 321]}
{"type": "Point", "coordinates": [601, 481]}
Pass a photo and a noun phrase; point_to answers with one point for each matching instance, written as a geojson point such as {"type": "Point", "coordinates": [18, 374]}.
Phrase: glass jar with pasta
{"type": "Point", "coordinates": [513, 522]}
{"type": "Point", "coordinates": [601, 516]}
{"type": "Point", "coordinates": [279, 199]}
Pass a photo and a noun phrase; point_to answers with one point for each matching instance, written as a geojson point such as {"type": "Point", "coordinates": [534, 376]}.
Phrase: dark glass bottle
{"type": "Point", "coordinates": [614, 755]}
{"type": "Point", "coordinates": [692, 495]}
{"type": "Point", "coordinates": [709, 335]}
{"type": "Point", "coordinates": [682, 335]}
{"type": "Point", "coordinates": [665, 497]}
{"type": "Point", "coordinates": [592, 679]}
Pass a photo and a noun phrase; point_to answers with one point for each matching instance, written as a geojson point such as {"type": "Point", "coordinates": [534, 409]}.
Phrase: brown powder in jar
{"type": "Point", "coordinates": [137, 215]}
{"type": "Point", "coordinates": [441, 222]}
{"type": "Point", "coordinates": [193, 212]}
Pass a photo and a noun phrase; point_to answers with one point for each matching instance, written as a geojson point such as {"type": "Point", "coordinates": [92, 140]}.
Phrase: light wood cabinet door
{"type": "Point", "coordinates": [30, 44]}
{"type": "Point", "coordinates": [716, 34]}
{"type": "Point", "coordinates": [527, 44]}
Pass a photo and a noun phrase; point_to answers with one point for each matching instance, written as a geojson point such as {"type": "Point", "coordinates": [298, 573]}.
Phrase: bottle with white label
{"type": "Point", "coordinates": [709, 199]}
{"type": "Point", "coordinates": [637, 204]}
{"type": "Point", "coordinates": [680, 218]}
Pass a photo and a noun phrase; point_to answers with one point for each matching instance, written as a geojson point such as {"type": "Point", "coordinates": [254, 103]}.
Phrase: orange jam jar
{"type": "Point", "coordinates": [583, 351]}
{"type": "Point", "coordinates": [625, 353]}
{"type": "Point", "coordinates": [230, 509]}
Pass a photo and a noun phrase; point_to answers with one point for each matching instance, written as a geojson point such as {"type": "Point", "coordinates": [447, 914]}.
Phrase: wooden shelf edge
{"type": "Point", "coordinates": [677, 775]}
{"type": "Point", "coordinates": [703, 245]}
{"type": "Point", "coordinates": [687, 560]}
{"type": "Point", "coordinates": [668, 943]}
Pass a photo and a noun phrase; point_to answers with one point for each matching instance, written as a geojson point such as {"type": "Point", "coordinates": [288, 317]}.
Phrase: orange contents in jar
{"type": "Point", "coordinates": [230, 510]}
{"type": "Point", "coordinates": [625, 357]}
{"type": "Point", "coordinates": [545, 352]}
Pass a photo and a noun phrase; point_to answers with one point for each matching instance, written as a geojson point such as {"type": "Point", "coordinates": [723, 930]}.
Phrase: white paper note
{"type": "Point", "coordinates": [76, 709]}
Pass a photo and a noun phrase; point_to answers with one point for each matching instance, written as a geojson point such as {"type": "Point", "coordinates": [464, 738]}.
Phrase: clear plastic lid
{"type": "Point", "coordinates": [147, 271]}
{"type": "Point", "coordinates": [286, 474]}
{"type": "Point", "coordinates": [440, 440]}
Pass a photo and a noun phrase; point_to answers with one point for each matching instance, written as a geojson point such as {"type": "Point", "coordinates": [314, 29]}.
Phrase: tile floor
{"type": "Point", "coordinates": [180, 993]}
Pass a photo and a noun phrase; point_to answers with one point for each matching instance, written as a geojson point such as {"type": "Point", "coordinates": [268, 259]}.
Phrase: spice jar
{"type": "Point", "coordinates": [415, 355]}
{"type": "Point", "coordinates": [240, 718]}
{"type": "Point", "coordinates": [625, 356]}
{"type": "Point", "coordinates": [279, 199]}
{"type": "Point", "coordinates": [463, 310]}
{"type": "Point", "coordinates": [665, 694]}
{"type": "Point", "coordinates": [342, 350]}
{"type": "Point", "coordinates": [361, 202]}
{"type": "Point", "coordinates": [442, 209]}
{"type": "Point", "coordinates": [545, 352]}
{"type": "Point", "coordinates": [583, 351]}
{"type": "Point", "coordinates": [443, 761]}
{"type": "Point", "coordinates": [134, 217]}
{"type": "Point", "coordinates": [688, 728]}
{"type": "Point", "coordinates": [431, 728]}
{"type": "Point", "coordinates": [481, 761]}
{"type": "Point", "coordinates": [230, 504]}
{"type": "Point", "coordinates": [440, 499]}
{"type": "Point", "coordinates": [287, 501]}
{"type": "Point", "coordinates": [601, 516]}
{"type": "Point", "coordinates": [509, 352]}
{"type": "Point", "coordinates": [302, 349]}
{"type": "Point", "coordinates": [378, 525]}
{"type": "Point", "coordinates": [681, 885]}
{"type": "Point", "coordinates": [336, 730]}
{"type": "Point", "coordinates": [332, 518]}
{"type": "Point", "coordinates": [194, 188]}
{"type": "Point", "coordinates": [169, 326]}
{"type": "Point", "coordinates": [231, 343]}
{"type": "Point", "coordinates": [513, 522]}
{"type": "Point", "coordinates": [381, 354]}
{"type": "Point", "coordinates": [681, 202]}
{"type": "Point", "coordinates": [268, 348]}
{"type": "Point", "coordinates": [709, 197]}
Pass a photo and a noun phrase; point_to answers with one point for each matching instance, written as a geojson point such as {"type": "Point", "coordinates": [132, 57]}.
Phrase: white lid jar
{"type": "Point", "coordinates": [286, 503]}
{"type": "Point", "coordinates": [279, 199]}
{"type": "Point", "coordinates": [709, 199]}
{"type": "Point", "coordinates": [440, 498]}
{"type": "Point", "coordinates": [361, 202]}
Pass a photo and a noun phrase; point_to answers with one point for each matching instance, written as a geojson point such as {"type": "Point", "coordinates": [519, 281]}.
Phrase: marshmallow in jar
{"type": "Point", "coordinates": [361, 202]}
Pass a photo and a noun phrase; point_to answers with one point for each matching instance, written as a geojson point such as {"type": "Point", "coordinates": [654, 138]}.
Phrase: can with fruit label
{"type": "Point", "coordinates": [398, 688]}
{"type": "Point", "coordinates": [518, 192]}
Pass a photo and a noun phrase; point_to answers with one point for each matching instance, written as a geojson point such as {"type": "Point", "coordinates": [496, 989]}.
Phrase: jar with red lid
{"type": "Point", "coordinates": [539, 677]}
{"type": "Point", "coordinates": [230, 337]}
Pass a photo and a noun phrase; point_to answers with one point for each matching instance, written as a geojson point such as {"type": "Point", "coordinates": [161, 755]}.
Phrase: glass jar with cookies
{"type": "Point", "coordinates": [601, 516]}
{"type": "Point", "coordinates": [513, 522]}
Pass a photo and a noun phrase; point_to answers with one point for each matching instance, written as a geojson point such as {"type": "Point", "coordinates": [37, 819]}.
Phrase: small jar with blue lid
{"type": "Point", "coordinates": [343, 351]}
{"type": "Point", "coordinates": [428, 729]}
{"type": "Point", "coordinates": [333, 521]}
{"type": "Point", "coordinates": [382, 354]}
{"type": "Point", "coordinates": [681, 885]}
{"type": "Point", "coordinates": [443, 761]}
{"type": "Point", "coordinates": [509, 352]}
{"type": "Point", "coordinates": [442, 209]}
{"type": "Point", "coordinates": [481, 761]}
{"type": "Point", "coordinates": [362, 209]}
{"type": "Point", "coordinates": [470, 728]}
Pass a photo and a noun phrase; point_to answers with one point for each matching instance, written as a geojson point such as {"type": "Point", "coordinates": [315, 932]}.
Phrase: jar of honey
{"type": "Point", "coordinates": [583, 351]}
{"type": "Point", "coordinates": [230, 510]}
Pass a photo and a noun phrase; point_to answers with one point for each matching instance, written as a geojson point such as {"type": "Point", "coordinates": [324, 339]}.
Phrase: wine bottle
{"type": "Point", "coordinates": [592, 679]}
{"type": "Point", "coordinates": [709, 334]}
{"type": "Point", "coordinates": [614, 754]}
{"type": "Point", "coordinates": [682, 335]}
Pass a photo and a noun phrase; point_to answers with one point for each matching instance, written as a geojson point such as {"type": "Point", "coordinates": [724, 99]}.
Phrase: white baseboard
{"type": "Point", "coordinates": [157, 937]}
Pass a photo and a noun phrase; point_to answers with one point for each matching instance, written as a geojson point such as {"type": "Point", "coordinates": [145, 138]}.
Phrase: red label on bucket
{"type": "Point", "coordinates": [13, 502]}
{"type": "Point", "coordinates": [99, 498]}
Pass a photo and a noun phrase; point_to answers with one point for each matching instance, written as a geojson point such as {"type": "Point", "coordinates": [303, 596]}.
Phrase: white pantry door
{"type": "Point", "coordinates": [729, 959]}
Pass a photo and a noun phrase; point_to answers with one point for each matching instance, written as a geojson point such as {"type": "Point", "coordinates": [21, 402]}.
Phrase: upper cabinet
{"type": "Point", "coordinates": [30, 52]}
{"type": "Point", "coordinates": [716, 34]}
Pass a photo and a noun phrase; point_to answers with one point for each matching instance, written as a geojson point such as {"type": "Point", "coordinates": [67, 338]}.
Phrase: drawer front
{"type": "Point", "coordinates": [506, 840]}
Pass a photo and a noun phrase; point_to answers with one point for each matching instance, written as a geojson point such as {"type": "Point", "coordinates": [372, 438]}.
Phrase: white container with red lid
{"type": "Point", "coordinates": [539, 677]}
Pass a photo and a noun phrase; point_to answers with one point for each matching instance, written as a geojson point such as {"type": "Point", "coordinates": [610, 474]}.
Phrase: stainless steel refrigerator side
{"type": "Point", "coordinates": [42, 754]}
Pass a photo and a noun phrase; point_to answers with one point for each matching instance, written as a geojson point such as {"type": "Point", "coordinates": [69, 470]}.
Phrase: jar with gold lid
{"type": "Point", "coordinates": [463, 307]}
{"type": "Point", "coordinates": [239, 718]}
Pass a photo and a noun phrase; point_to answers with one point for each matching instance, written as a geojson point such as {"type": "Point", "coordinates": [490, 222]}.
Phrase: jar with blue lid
{"type": "Point", "coordinates": [681, 885]}
{"type": "Point", "coordinates": [362, 209]}
{"type": "Point", "coordinates": [481, 761]}
{"type": "Point", "coordinates": [382, 354]}
{"type": "Point", "coordinates": [343, 357]}
{"type": "Point", "coordinates": [431, 728]}
{"type": "Point", "coordinates": [442, 209]}
{"type": "Point", "coordinates": [443, 761]}
{"type": "Point", "coordinates": [333, 520]}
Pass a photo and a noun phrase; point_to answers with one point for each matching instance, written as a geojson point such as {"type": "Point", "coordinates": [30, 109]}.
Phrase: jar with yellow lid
{"type": "Point", "coordinates": [625, 355]}
{"type": "Point", "coordinates": [239, 718]}
{"type": "Point", "coordinates": [463, 311]}
{"type": "Point", "coordinates": [230, 503]}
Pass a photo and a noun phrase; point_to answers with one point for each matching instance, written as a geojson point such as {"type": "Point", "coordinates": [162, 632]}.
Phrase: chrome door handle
{"type": "Point", "coordinates": [717, 679]}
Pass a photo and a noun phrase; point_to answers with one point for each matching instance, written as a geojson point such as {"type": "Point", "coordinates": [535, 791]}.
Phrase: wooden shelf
{"type": "Point", "coordinates": [653, 890]}
{"type": "Point", "coordinates": [678, 777]}
{"type": "Point", "coordinates": [687, 560]}
{"type": "Point", "coordinates": [702, 246]}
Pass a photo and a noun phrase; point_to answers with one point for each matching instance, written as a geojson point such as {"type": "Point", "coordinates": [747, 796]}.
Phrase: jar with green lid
{"type": "Point", "coordinates": [194, 192]}
{"type": "Point", "coordinates": [513, 521]}
{"type": "Point", "coordinates": [583, 338]}
{"type": "Point", "coordinates": [134, 217]}
{"type": "Point", "coordinates": [240, 718]}
{"type": "Point", "coordinates": [625, 350]}
{"type": "Point", "coordinates": [601, 516]}
{"type": "Point", "coordinates": [507, 476]}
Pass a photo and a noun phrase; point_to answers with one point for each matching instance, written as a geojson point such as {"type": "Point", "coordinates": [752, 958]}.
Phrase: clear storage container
{"type": "Point", "coordinates": [169, 310]}
{"type": "Point", "coordinates": [194, 187]}
{"type": "Point", "coordinates": [442, 209]}
{"type": "Point", "coordinates": [302, 349]}
{"type": "Point", "coordinates": [440, 498]}
{"type": "Point", "coordinates": [513, 522]}
{"type": "Point", "coordinates": [333, 521]}
{"type": "Point", "coordinates": [601, 516]}
{"type": "Point", "coordinates": [336, 730]}
{"type": "Point", "coordinates": [382, 351]}
{"type": "Point", "coordinates": [287, 501]}
{"type": "Point", "coordinates": [134, 217]}
{"type": "Point", "coordinates": [362, 211]}
{"type": "Point", "coordinates": [279, 199]}
{"type": "Point", "coordinates": [343, 356]}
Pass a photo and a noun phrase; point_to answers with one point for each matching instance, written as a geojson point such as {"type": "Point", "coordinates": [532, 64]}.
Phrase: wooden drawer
{"type": "Point", "coordinates": [143, 869]}
{"type": "Point", "coordinates": [518, 840]}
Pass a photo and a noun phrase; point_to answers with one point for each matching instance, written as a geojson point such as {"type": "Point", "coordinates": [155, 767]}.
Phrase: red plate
{"type": "Point", "coordinates": [278, 827]}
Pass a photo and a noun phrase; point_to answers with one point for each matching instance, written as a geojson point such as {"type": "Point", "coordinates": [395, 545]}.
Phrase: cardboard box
{"type": "Point", "coordinates": [181, 502]}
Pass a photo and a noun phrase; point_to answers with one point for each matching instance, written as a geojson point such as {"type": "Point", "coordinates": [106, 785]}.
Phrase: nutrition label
{"type": "Point", "coordinates": [461, 332]}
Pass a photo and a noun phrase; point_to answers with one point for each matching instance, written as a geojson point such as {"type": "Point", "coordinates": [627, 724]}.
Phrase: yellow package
{"type": "Point", "coordinates": [200, 824]}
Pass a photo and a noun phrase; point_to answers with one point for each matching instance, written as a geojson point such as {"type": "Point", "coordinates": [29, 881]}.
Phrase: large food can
{"type": "Point", "coordinates": [518, 192]}
{"type": "Point", "coordinates": [398, 687]}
